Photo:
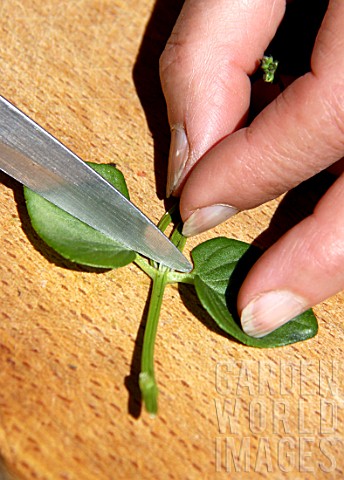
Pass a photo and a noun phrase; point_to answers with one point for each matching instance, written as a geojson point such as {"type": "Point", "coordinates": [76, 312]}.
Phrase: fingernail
{"type": "Point", "coordinates": [179, 152]}
{"type": "Point", "coordinates": [207, 217]}
{"type": "Point", "coordinates": [271, 310]}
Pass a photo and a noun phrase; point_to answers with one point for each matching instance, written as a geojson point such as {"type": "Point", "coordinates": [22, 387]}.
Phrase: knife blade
{"type": "Point", "coordinates": [35, 158]}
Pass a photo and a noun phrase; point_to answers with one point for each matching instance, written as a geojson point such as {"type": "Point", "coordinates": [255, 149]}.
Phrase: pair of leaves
{"type": "Point", "coordinates": [220, 264]}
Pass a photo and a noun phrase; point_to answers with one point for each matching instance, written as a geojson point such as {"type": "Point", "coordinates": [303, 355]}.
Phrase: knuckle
{"type": "Point", "coordinates": [174, 55]}
{"type": "Point", "coordinates": [326, 250]}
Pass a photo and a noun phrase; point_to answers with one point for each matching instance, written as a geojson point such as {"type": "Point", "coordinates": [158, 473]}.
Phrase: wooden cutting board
{"type": "Point", "coordinates": [70, 339]}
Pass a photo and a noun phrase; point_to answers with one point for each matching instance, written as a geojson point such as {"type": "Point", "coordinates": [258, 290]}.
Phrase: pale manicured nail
{"type": "Point", "coordinates": [179, 152]}
{"type": "Point", "coordinates": [207, 217]}
{"type": "Point", "coordinates": [271, 310]}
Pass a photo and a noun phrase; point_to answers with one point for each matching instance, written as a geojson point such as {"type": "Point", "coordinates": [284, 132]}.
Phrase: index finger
{"type": "Point", "coordinates": [204, 72]}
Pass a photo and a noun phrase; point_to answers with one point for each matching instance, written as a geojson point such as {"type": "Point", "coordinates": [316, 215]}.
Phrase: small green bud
{"type": "Point", "coordinates": [269, 67]}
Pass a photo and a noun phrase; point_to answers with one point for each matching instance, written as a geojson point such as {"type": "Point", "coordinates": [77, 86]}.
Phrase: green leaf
{"type": "Point", "coordinates": [72, 238]}
{"type": "Point", "coordinates": [221, 265]}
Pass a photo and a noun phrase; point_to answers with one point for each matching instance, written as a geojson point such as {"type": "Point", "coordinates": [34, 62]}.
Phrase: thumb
{"type": "Point", "coordinates": [204, 73]}
{"type": "Point", "coordinates": [303, 268]}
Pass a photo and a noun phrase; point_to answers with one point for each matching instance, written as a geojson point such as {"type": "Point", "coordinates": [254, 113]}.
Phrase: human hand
{"type": "Point", "coordinates": [219, 168]}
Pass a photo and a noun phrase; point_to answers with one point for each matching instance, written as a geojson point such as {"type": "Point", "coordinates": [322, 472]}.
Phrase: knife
{"type": "Point", "coordinates": [38, 160]}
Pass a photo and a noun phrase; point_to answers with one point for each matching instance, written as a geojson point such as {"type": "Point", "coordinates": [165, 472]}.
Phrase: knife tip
{"type": "Point", "coordinates": [178, 263]}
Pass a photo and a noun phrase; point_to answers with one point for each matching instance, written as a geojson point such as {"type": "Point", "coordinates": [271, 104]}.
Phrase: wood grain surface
{"type": "Point", "coordinates": [70, 339]}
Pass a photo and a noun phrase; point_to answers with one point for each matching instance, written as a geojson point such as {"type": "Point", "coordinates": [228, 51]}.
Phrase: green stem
{"type": "Point", "coordinates": [166, 219]}
{"type": "Point", "coordinates": [161, 276]}
{"type": "Point", "coordinates": [148, 386]}
{"type": "Point", "coordinates": [177, 238]}
{"type": "Point", "coordinates": [145, 266]}
{"type": "Point", "coordinates": [177, 277]}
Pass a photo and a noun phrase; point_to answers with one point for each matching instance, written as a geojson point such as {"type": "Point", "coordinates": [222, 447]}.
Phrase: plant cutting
{"type": "Point", "coordinates": [220, 266]}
